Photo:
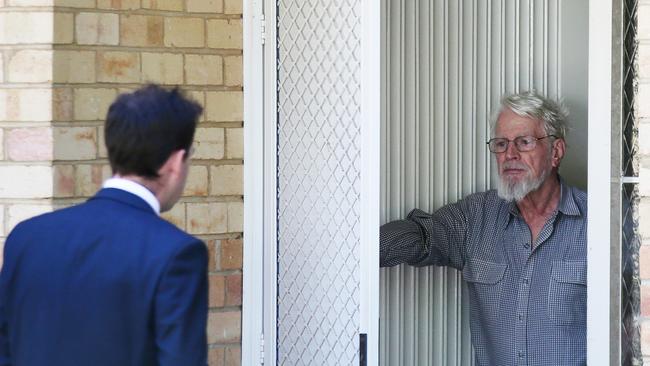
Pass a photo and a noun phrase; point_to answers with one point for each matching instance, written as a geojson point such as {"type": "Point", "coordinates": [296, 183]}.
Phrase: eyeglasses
{"type": "Point", "coordinates": [522, 143]}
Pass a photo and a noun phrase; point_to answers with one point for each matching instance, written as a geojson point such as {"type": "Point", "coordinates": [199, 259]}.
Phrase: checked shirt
{"type": "Point", "coordinates": [528, 301]}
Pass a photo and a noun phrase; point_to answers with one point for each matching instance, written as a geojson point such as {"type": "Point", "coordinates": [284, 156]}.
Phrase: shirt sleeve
{"type": "Point", "coordinates": [424, 239]}
{"type": "Point", "coordinates": [181, 309]}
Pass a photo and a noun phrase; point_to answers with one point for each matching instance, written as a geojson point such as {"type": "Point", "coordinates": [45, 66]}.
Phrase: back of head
{"type": "Point", "coordinates": [553, 115]}
{"type": "Point", "coordinates": [145, 127]}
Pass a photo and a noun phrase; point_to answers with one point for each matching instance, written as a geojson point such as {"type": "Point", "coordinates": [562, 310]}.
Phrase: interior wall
{"type": "Point", "coordinates": [445, 65]}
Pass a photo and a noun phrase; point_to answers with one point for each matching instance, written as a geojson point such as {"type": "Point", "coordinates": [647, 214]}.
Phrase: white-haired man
{"type": "Point", "coordinates": [522, 248]}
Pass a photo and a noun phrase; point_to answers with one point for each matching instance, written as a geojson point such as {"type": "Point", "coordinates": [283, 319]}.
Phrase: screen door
{"type": "Point", "coordinates": [320, 56]}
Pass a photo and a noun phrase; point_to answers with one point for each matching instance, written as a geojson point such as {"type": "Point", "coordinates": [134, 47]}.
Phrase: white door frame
{"type": "Point", "coordinates": [256, 187]}
{"type": "Point", "coordinates": [260, 200]}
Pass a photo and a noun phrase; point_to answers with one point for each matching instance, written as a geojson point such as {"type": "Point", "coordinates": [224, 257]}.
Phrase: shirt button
{"type": "Point", "coordinates": [520, 354]}
{"type": "Point", "coordinates": [521, 317]}
{"type": "Point", "coordinates": [526, 244]}
{"type": "Point", "coordinates": [525, 281]}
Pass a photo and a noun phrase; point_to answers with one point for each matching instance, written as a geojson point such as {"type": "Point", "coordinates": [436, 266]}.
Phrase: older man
{"type": "Point", "coordinates": [522, 248]}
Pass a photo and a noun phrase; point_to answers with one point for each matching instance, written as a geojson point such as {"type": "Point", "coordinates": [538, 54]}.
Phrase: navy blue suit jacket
{"type": "Point", "coordinates": [106, 282]}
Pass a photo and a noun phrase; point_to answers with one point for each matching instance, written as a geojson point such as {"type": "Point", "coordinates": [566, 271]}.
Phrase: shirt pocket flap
{"type": "Point", "coordinates": [480, 271]}
{"type": "Point", "coordinates": [570, 272]}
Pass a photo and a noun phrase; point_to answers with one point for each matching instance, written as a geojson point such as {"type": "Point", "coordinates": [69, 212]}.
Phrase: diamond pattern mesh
{"type": "Point", "coordinates": [318, 181]}
{"type": "Point", "coordinates": [630, 286]}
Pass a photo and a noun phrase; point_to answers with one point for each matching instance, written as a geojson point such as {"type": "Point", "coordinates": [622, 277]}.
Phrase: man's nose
{"type": "Point", "coordinates": [511, 151]}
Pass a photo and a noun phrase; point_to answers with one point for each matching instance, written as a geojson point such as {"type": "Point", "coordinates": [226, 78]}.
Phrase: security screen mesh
{"type": "Point", "coordinates": [318, 176]}
{"type": "Point", "coordinates": [630, 280]}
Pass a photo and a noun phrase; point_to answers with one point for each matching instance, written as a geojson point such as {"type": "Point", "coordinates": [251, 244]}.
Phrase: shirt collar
{"type": "Point", "coordinates": [136, 189]}
{"type": "Point", "coordinates": [567, 204]}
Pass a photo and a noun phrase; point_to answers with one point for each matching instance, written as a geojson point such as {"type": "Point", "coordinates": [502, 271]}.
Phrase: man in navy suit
{"type": "Point", "coordinates": [108, 282]}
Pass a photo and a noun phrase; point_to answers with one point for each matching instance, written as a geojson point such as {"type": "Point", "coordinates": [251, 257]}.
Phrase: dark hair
{"type": "Point", "coordinates": [145, 127]}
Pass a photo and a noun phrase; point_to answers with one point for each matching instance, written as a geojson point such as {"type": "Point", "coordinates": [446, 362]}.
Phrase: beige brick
{"type": "Point", "coordinates": [643, 96]}
{"type": "Point", "coordinates": [643, 21]}
{"type": "Point", "coordinates": [197, 181]}
{"type": "Point", "coordinates": [91, 104]}
{"type": "Point", "coordinates": [232, 254]}
{"type": "Point", "coordinates": [30, 2]}
{"type": "Point", "coordinates": [176, 215]}
{"type": "Point", "coordinates": [30, 144]}
{"type": "Point", "coordinates": [62, 104]}
{"type": "Point", "coordinates": [205, 6]}
{"type": "Point", "coordinates": [101, 143]}
{"type": "Point", "coordinates": [644, 175]}
{"type": "Point", "coordinates": [2, 77]}
{"type": "Point", "coordinates": [215, 356]}
{"type": "Point", "coordinates": [21, 212]}
{"type": "Point", "coordinates": [644, 228]}
{"type": "Point", "coordinates": [209, 143]}
{"type": "Point", "coordinates": [26, 27]}
{"type": "Point", "coordinates": [235, 143]}
{"type": "Point", "coordinates": [233, 290]}
{"type": "Point", "coordinates": [199, 97]}
{"type": "Point", "coordinates": [224, 327]}
{"type": "Point", "coordinates": [162, 68]}
{"type": "Point", "coordinates": [216, 290]}
{"type": "Point", "coordinates": [63, 28]}
{"type": "Point", "coordinates": [26, 181]}
{"type": "Point", "coordinates": [2, 144]}
{"type": "Point", "coordinates": [184, 32]}
{"type": "Point", "coordinates": [207, 218]}
{"type": "Point", "coordinates": [30, 66]}
{"type": "Point", "coordinates": [226, 180]}
{"type": "Point", "coordinates": [225, 33]}
{"type": "Point", "coordinates": [88, 179]}
{"type": "Point", "coordinates": [233, 6]}
{"type": "Point", "coordinates": [212, 254]}
{"type": "Point", "coordinates": [645, 337]}
{"type": "Point", "coordinates": [233, 356]}
{"type": "Point", "coordinates": [75, 143]}
{"type": "Point", "coordinates": [118, 67]}
{"type": "Point", "coordinates": [64, 177]}
{"type": "Point", "coordinates": [235, 217]}
{"type": "Point", "coordinates": [644, 138]}
{"type": "Point", "coordinates": [74, 66]}
{"type": "Point", "coordinates": [233, 73]}
{"type": "Point", "coordinates": [97, 28]}
{"type": "Point", "coordinates": [141, 30]}
{"type": "Point", "coordinates": [118, 4]}
{"type": "Point", "coordinates": [224, 106]}
{"type": "Point", "coordinates": [644, 61]}
{"type": "Point", "coordinates": [173, 5]}
{"type": "Point", "coordinates": [33, 105]}
{"type": "Point", "coordinates": [75, 3]}
{"type": "Point", "coordinates": [204, 69]}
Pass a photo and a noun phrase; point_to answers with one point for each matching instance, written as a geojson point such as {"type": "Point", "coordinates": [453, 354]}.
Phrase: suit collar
{"type": "Point", "coordinates": [125, 197]}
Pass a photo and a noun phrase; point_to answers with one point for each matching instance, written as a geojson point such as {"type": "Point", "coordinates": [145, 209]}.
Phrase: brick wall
{"type": "Point", "coordinates": [643, 109]}
{"type": "Point", "coordinates": [64, 61]}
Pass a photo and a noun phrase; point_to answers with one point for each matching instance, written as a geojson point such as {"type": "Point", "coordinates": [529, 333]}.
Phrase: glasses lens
{"type": "Point", "coordinates": [525, 143]}
{"type": "Point", "coordinates": [498, 145]}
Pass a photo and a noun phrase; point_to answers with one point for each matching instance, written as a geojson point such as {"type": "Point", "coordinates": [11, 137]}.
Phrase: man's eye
{"type": "Point", "coordinates": [500, 144]}
{"type": "Point", "coordinates": [525, 141]}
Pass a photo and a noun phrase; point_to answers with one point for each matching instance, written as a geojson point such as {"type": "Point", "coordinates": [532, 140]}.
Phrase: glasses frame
{"type": "Point", "coordinates": [518, 138]}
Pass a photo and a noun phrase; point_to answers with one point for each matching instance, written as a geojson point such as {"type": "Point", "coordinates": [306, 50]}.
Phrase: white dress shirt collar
{"type": "Point", "coordinates": [136, 189]}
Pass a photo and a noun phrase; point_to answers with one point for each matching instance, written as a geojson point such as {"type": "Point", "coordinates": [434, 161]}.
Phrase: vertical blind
{"type": "Point", "coordinates": [445, 65]}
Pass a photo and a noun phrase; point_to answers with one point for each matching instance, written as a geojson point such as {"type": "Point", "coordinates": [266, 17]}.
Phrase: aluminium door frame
{"type": "Point", "coordinates": [259, 305]}
{"type": "Point", "coordinates": [601, 338]}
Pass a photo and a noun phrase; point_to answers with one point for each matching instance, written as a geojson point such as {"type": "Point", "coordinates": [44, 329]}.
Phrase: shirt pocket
{"type": "Point", "coordinates": [484, 282]}
{"type": "Point", "coordinates": [567, 295]}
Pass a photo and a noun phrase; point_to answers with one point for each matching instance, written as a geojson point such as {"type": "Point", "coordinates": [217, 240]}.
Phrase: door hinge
{"type": "Point", "coordinates": [263, 28]}
{"type": "Point", "coordinates": [262, 349]}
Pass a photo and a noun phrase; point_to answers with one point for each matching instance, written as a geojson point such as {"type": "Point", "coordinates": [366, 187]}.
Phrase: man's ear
{"type": "Point", "coordinates": [559, 147]}
{"type": "Point", "coordinates": [174, 163]}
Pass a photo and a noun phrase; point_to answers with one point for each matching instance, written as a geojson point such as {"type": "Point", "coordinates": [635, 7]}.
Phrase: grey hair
{"type": "Point", "coordinates": [554, 115]}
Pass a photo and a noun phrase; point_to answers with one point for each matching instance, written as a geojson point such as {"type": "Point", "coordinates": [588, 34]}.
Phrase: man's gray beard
{"type": "Point", "coordinates": [516, 191]}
